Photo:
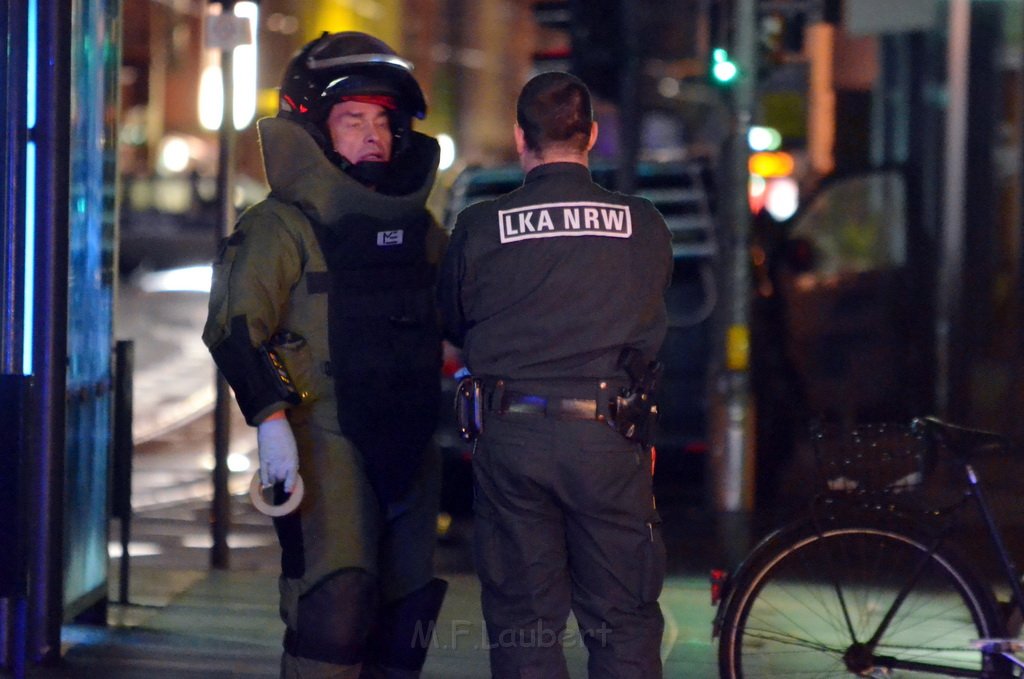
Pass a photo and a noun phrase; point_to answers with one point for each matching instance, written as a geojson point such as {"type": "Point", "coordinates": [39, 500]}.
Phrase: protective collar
{"type": "Point", "coordinates": [299, 173]}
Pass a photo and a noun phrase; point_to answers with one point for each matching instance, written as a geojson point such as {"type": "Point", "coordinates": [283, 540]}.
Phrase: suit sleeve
{"type": "Point", "coordinates": [256, 269]}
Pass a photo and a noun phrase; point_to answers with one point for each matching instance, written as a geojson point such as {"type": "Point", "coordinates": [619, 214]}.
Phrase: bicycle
{"type": "Point", "coordinates": [868, 583]}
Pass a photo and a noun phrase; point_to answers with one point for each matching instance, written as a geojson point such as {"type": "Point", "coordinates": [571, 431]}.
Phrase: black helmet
{"type": "Point", "coordinates": [336, 65]}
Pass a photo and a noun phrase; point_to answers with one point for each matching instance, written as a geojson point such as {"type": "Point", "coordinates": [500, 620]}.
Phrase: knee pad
{"type": "Point", "coordinates": [334, 618]}
{"type": "Point", "coordinates": [405, 628]}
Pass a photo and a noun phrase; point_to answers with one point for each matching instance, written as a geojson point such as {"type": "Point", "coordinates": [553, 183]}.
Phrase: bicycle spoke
{"type": "Point", "coordinates": [790, 640]}
{"type": "Point", "coordinates": [809, 611]}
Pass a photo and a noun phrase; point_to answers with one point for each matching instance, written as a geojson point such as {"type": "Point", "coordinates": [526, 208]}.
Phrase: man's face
{"type": "Point", "coordinates": [360, 131]}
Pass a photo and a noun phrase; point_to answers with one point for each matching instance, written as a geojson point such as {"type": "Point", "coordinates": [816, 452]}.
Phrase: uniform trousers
{"type": "Point", "coordinates": [565, 520]}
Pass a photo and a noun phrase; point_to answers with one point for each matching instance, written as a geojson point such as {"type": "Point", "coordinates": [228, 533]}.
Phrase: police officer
{"type": "Point", "coordinates": [555, 292]}
{"type": "Point", "coordinates": [322, 319]}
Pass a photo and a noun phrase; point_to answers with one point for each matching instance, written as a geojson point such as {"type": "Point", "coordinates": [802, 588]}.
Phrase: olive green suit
{"type": "Point", "coordinates": [349, 551]}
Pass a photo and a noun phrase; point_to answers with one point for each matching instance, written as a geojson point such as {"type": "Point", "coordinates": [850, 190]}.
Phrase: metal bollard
{"type": "Point", "coordinates": [121, 491]}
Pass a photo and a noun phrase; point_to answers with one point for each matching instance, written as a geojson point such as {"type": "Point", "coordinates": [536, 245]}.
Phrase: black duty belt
{"type": "Point", "coordinates": [548, 406]}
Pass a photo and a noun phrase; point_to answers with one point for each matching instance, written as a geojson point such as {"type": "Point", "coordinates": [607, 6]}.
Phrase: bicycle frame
{"type": "Point", "coordinates": [1009, 567]}
{"type": "Point", "coordinates": [996, 536]}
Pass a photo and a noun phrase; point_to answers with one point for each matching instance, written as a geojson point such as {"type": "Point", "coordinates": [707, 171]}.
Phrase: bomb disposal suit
{"type": "Point", "coordinates": [546, 290]}
{"type": "Point", "coordinates": [322, 305]}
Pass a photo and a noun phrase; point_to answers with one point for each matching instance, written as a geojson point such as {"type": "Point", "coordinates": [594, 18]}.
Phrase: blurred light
{"type": "Point", "coordinates": [447, 145]}
{"type": "Point", "coordinates": [723, 69]}
{"type": "Point", "coordinates": [783, 198]}
{"type": "Point", "coordinates": [187, 279]}
{"type": "Point", "coordinates": [174, 155]}
{"type": "Point", "coordinates": [244, 69]}
{"type": "Point", "coordinates": [444, 523]}
{"type": "Point", "coordinates": [32, 65]}
{"type": "Point", "coordinates": [757, 185]}
{"type": "Point", "coordinates": [761, 138]}
{"type": "Point", "coordinates": [29, 313]}
{"type": "Point", "coordinates": [369, 9]}
{"type": "Point", "coordinates": [238, 462]}
{"type": "Point", "coordinates": [282, 23]}
{"type": "Point", "coordinates": [235, 540]}
{"type": "Point", "coordinates": [770, 164]}
{"type": "Point", "coordinates": [31, 112]}
{"type": "Point", "coordinates": [134, 549]}
{"type": "Point", "coordinates": [211, 97]}
{"type": "Point", "coordinates": [267, 101]}
{"type": "Point", "coordinates": [756, 190]}
{"type": "Point", "coordinates": [668, 87]}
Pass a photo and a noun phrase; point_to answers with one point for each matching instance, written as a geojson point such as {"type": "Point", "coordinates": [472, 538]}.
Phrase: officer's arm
{"type": "Point", "coordinates": [259, 265]}
{"type": "Point", "coordinates": [659, 266]}
{"type": "Point", "coordinates": [449, 288]}
{"type": "Point", "coordinates": [668, 259]}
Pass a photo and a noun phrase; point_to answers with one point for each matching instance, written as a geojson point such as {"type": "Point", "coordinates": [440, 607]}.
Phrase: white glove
{"type": "Point", "coordinates": [279, 457]}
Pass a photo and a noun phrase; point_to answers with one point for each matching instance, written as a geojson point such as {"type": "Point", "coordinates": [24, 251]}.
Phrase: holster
{"type": "Point", "coordinates": [469, 407]}
{"type": "Point", "coordinates": [633, 412]}
{"type": "Point", "coordinates": [634, 416]}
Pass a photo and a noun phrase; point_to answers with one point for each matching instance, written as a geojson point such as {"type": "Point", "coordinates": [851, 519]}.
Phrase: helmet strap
{"type": "Point", "coordinates": [401, 124]}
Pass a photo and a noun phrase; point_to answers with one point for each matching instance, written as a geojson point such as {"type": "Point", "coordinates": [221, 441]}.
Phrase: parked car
{"type": "Point", "coordinates": [841, 327]}
{"type": "Point", "coordinates": [682, 193]}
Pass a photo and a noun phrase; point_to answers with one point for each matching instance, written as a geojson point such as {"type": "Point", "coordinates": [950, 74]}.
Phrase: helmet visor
{"type": "Point", "coordinates": [319, 59]}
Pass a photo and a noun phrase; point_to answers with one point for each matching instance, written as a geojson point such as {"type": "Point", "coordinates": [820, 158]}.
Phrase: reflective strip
{"type": "Point", "coordinates": [390, 59]}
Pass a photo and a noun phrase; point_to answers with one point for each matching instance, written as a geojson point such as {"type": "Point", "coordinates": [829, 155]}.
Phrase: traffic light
{"type": "Point", "coordinates": [595, 41]}
{"type": "Point", "coordinates": [554, 50]}
{"type": "Point", "coordinates": [600, 40]}
{"type": "Point", "coordinates": [598, 45]}
{"type": "Point", "coordinates": [556, 14]}
{"type": "Point", "coordinates": [724, 70]}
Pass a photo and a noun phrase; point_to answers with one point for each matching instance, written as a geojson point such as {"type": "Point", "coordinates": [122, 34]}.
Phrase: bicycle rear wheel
{"type": "Point", "coordinates": [810, 600]}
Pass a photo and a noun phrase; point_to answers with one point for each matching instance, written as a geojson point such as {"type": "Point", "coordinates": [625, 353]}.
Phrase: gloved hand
{"type": "Point", "coordinates": [279, 456]}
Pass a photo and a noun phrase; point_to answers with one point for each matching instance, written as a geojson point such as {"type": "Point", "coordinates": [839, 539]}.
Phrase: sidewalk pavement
{"type": "Point", "coordinates": [184, 619]}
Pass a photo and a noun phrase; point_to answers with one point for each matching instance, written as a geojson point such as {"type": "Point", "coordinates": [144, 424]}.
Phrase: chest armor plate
{"type": "Point", "coordinates": [384, 341]}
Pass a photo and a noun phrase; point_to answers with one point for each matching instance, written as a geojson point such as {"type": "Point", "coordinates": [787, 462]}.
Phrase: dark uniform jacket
{"type": "Point", "coordinates": [554, 279]}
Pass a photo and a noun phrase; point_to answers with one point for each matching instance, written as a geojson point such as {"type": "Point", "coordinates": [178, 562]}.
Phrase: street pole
{"type": "Point", "coordinates": [630, 113]}
{"type": "Point", "coordinates": [951, 260]}
{"type": "Point", "coordinates": [220, 512]}
{"type": "Point", "coordinates": [732, 453]}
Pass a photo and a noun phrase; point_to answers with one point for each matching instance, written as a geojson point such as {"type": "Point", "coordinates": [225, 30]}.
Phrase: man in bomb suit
{"type": "Point", "coordinates": [322, 320]}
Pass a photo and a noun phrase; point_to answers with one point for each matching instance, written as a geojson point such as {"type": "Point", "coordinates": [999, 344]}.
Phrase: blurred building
{"type": "Point", "coordinates": [469, 57]}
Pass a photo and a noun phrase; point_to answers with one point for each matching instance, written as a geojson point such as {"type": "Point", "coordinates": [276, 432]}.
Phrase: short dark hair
{"type": "Point", "coordinates": [554, 109]}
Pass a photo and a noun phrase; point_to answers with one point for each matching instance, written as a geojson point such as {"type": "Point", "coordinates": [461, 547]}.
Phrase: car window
{"type": "Point", "coordinates": [857, 224]}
